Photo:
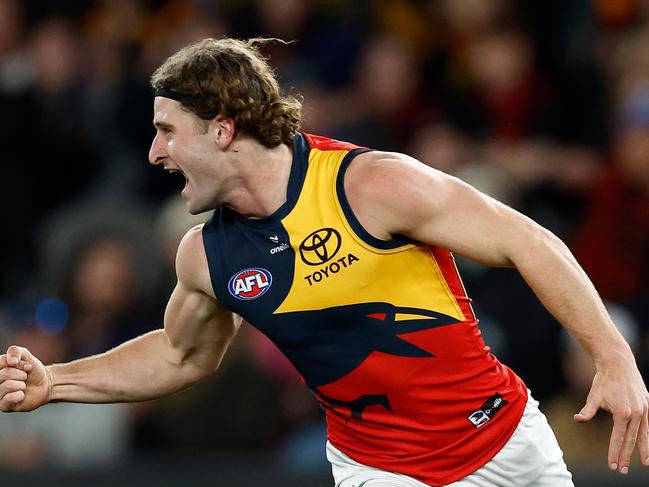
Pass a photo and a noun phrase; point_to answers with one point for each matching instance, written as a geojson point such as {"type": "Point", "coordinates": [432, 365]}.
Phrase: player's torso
{"type": "Point", "coordinates": [382, 332]}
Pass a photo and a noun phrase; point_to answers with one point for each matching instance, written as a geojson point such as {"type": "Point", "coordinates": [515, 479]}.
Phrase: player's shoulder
{"type": "Point", "coordinates": [391, 193]}
{"type": "Point", "coordinates": [383, 174]}
{"type": "Point", "coordinates": [191, 260]}
{"type": "Point", "coordinates": [376, 163]}
{"type": "Point", "coordinates": [192, 240]}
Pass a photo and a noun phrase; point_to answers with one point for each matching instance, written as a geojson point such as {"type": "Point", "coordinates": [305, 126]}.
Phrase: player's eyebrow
{"type": "Point", "coordinates": [161, 125]}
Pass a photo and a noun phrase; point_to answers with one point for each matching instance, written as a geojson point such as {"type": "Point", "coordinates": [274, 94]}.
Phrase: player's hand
{"type": "Point", "coordinates": [619, 389]}
{"type": "Point", "coordinates": [25, 383]}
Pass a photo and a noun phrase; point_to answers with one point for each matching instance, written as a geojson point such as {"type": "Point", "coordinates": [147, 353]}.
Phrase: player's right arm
{"type": "Point", "coordinates": [196, 334]}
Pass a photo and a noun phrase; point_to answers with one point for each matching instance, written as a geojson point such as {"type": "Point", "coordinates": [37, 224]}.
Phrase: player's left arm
{"type": "Point", "coordinates": [394, 194]}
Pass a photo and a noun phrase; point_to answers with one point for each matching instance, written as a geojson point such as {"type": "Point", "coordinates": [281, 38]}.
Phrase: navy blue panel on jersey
{"type": "Point", "coordinates": [251, 261]}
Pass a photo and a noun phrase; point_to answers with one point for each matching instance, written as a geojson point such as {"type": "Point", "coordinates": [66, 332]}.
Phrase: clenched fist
{"type": "Point", "coordinates": [25, 383]}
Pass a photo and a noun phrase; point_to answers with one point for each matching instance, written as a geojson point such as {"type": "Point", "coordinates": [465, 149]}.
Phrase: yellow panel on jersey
{"type": "Point", "coordinates": [327, 264]}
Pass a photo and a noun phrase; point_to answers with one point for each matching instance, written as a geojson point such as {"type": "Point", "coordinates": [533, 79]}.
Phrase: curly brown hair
{"type": "Point", "coordinates": [232, 77]}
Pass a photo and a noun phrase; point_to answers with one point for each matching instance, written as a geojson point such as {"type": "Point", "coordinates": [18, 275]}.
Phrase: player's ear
{"type": "Point", "coordinates": [223, 130]}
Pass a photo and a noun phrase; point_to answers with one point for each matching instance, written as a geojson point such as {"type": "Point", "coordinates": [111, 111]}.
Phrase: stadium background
{"type": "Point", "coordinates": [542, 104]}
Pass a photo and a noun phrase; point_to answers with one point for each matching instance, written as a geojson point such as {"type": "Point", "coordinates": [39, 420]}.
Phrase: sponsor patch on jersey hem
{"type": "Point", "coordinates": [490, 407]}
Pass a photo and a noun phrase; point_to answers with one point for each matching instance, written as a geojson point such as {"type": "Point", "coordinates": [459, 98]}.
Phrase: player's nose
{"type": "Point", "coordinates": [157, 152]}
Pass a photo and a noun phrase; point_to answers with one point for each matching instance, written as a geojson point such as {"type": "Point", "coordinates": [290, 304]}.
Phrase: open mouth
{"type": "Point", "coordinates": [178, 171]}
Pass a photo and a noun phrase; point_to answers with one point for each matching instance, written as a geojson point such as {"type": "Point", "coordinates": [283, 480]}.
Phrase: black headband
{"type": "Point", "coordinates": [174, 95]}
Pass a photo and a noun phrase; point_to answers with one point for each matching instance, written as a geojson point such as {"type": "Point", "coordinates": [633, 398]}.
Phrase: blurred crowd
{"type": "Point", "coordinates": [542, 104]}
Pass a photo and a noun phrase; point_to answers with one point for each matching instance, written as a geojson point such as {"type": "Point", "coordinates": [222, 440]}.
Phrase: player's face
{"type": "Point", "coordinates": [181, 146]}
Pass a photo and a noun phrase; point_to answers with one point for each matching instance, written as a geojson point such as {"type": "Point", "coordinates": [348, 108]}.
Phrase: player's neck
{"type": "Point", "coordinates": [263, 180]}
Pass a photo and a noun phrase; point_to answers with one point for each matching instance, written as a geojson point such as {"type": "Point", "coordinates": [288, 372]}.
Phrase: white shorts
{"type": "Point", "coordinates": [531, 457]}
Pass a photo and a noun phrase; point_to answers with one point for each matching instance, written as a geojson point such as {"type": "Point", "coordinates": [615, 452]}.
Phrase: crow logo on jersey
{"type": "Point", "coordinates": [354, 332]}
{"type": "Point", "coordinates": [250, 283]}
{"type": "Point", "coordinates": [347, 336]}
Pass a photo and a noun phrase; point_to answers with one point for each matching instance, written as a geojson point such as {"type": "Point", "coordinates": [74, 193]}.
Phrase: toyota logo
{"type": "Point", "coordinates": [320, 246]}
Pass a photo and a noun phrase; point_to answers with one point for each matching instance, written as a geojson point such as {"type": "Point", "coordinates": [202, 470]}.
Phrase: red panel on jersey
{"type": "Point", "coordinates": [425, 426]}
{"type": "Point", "coordinates": [325, 143]}
{"type": "Point", "coordinates": [449, 270]}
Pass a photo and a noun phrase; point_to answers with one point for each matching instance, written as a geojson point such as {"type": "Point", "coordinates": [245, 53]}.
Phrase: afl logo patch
{"type": "Point", "coordinates": [250, 283]}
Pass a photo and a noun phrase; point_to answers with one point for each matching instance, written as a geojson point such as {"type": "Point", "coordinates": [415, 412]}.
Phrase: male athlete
{"type": "Point", "coordinates": [341, 255]}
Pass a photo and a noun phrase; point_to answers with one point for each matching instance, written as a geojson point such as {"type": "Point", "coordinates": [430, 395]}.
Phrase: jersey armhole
{"type": "Point", "coordinates": [395, 242]}
{"type": "Point", "coordinates": [211, 245]}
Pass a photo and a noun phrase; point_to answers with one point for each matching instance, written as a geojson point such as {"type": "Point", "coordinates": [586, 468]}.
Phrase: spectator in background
{"type": "Point", "coordinates": [99, 271]}
{"type": "Point", "coordinates": [58, 142]}
{"type": "Point", "coordinates": [13, 70]}
{"type": "Point", "coordinates": [613, 241]}
{"type": "Point", "coordinates": [442, 146]}
{"type": "Point", "coordinates": [388, 95]}
{"type": "Point", "coordinates": [15, 77]}
{"type": "Point", "coordinates": [102, 265]}
{"type": "Point", "coordinates": [44, 137]}
{"type": "Point", "coordinates": [510, 97]}
{"type": "Point", "coordinates": [326, 36]}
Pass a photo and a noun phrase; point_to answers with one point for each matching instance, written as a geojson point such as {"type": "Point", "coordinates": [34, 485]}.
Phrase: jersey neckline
{"type": "Point", "coordinates": [296, 178]}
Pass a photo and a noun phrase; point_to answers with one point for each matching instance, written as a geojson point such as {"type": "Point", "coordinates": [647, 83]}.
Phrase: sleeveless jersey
{"type": "Point", "coordinates": [382, 332]}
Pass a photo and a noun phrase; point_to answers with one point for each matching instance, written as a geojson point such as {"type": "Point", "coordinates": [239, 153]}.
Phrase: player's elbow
{"type": "Point", "coordinates": [532, 242]}
{"type": "Point", "coordinates": [186, 365]}
{"type": "Point", "coordinates": [195, 371]}
{"type": "Point", "coordinates": [188, 371]}
{"type": "Point", "coordinates": [200, 362]}
{"type": "Point", "coordinates": [549, 240]}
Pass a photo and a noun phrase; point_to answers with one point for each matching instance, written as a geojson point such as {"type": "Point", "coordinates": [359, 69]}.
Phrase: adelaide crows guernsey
{"type": "Point", "coordinates": [381, 331]}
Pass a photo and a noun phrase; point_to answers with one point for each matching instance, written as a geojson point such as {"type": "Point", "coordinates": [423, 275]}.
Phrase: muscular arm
{"type": "Point", "coordinates": [411, 199]}
{"type": "Point", "coordinates": [394, 194]}
{"type": "Point", "coordinates": [197, 331]}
